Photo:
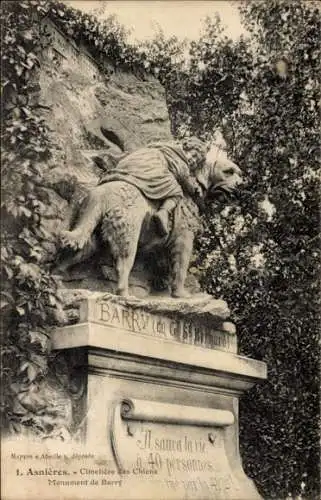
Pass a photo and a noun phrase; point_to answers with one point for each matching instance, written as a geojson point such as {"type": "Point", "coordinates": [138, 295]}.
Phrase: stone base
{"type": "Point", "coordinates": [160, 406]}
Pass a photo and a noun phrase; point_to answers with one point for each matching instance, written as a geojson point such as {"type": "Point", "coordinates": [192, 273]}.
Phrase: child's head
{"type": "Point", "coordinates": [196, 152]}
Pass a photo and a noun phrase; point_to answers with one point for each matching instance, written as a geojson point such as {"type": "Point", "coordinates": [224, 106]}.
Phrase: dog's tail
{"type": "Point", "coordinates": [89, 215]}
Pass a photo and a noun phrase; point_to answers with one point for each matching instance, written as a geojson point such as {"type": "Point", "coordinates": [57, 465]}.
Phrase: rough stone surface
{"type": "Point", "coordinates": [133, 109]}
{"type": "Point", "coordinates": [199, 307]}
{"type": "Point", "coordinates": [75, 104]}
{"type": "Point", "coordinates": [127, 106]}
{"type": "Point", "coordinates": [79, 105]}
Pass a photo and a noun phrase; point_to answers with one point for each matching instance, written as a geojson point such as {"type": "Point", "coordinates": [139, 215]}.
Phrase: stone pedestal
{"type": "Point", "coordinates": [158, 384]}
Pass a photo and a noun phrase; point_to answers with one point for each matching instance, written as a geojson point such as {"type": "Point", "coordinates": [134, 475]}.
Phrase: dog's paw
{"type": "Point", "coordinates": [71, 239]}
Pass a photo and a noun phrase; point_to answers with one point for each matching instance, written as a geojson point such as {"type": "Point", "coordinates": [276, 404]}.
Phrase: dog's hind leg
{"type": "Point", "coordinates": [124, 266]}
{"type": "Point", "coordinates": [123, 234]}
{"type": "Point", "coordinates": [125, 259]}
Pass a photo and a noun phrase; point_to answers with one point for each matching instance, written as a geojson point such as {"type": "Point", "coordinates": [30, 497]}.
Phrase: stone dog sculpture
{"type": "Point", "coordinates": [122, 210]}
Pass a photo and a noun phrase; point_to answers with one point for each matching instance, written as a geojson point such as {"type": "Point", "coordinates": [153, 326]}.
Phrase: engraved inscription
{"type": "Point", "coordinates": [142, 322]}
{"type": "Point", "coordinates": [187, 463]}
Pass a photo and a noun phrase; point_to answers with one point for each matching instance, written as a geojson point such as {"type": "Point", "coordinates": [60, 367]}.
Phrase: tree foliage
{"type": "Point", "coordinates": [262, 254]}
{"type": "Point", "coordinates": [106, 39]}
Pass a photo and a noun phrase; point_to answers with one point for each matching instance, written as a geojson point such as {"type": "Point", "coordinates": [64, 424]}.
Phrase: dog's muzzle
{"type": "Point", "coordinates": [224, 193]}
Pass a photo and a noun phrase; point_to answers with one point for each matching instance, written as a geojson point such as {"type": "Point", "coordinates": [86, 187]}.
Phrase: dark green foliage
{"type": "Point", "coordinates": [29, 300]}
{"type": "Point", "coordinates": [263, 93]}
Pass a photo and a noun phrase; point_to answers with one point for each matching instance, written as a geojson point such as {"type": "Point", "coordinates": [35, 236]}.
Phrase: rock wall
{"type": "Point", "coordinates": [132, 109]}
{"type": "Point", "coordinates": [91, 113]}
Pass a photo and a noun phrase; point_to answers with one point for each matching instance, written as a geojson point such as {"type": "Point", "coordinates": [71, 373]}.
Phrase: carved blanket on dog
{"type": "Point", "coordinates": [157, 170]}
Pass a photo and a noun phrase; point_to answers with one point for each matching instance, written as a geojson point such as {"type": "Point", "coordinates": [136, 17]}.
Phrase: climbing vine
{"type": "Point", "coordinates": [105, 39]}
{"type": "Point", "coordinates": [30, 302]}
{"type": "Point", "coordinates": [29, 299]}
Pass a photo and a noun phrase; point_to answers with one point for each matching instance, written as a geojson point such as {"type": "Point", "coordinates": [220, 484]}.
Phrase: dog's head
{"type": "Point", "coordinates": [220, 175]}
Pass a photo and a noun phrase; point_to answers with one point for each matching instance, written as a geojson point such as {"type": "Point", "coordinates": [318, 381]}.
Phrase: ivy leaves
{"type": "Point", "coordinates": [106, 40]}
{"type": "Point", "coordinates": [29, 297]}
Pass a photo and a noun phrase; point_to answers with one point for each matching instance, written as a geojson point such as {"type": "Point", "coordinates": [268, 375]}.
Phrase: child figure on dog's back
{"type": "Point", "coordinates": [165, 172]}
